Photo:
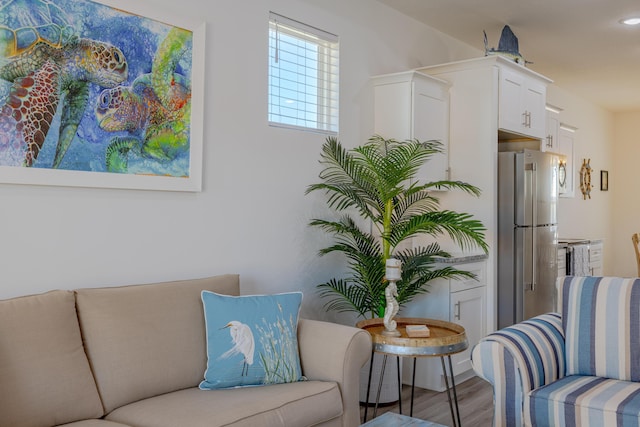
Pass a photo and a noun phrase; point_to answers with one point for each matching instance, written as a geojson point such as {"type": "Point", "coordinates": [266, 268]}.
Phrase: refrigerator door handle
{"type": "Point", "coordinates": [531, 170]}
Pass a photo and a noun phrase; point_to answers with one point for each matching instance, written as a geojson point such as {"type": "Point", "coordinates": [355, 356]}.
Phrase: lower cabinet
{"type": "Point", "coordinates": [595, 258]}
{"type": "Point", "coordinates": [461, 301]}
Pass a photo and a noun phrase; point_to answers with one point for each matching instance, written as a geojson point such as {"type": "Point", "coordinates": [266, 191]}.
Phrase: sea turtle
{"type": "Point", "coordinates": [46, 61]}
{"type": "Point", "coordinates": [155, 109]}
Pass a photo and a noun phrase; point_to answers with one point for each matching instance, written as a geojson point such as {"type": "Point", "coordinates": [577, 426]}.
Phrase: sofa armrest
{"type": "Point", "coordinates": [518, 359]}
{"type": "Point", "coordinates": [333, 352]}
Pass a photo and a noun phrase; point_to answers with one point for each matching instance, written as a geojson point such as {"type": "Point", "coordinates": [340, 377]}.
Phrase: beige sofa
{"type": "Point", "coordinates": [134, 356]}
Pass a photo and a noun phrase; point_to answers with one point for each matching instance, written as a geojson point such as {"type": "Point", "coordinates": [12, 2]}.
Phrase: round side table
{"type": "Point", "coordinates": [445, 339]}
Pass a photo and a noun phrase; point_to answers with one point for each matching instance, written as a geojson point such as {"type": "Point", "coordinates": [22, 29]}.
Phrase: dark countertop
{"type": "Point", "coordinates": [462, 258]}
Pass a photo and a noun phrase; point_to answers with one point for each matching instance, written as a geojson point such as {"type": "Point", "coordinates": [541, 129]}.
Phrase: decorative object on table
{"type": "Point", "coordinates": [63, 63]}
{"type": "Point", "coordinates": [251, 339]}
{"type": "Point", "coordinates": [604, 180]}
{"type": "Point", "coordinates": [507, 47]}
{"type": "Point", "coordinates": [585, 179]}
{"type": "Point", "coordinates": [393, 269]}
{"type": "Point", "coordinates": [418, 331]}
{"type": "Point", "coordinates": [377, 181]}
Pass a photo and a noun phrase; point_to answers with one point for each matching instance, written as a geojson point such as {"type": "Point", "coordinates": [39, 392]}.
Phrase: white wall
{"type": "Point", "coordinates": [623, 182]}
{"type": "Point", "coordinates": [251, 216]}
{"type": "Point", "coordinates": [594, 139]}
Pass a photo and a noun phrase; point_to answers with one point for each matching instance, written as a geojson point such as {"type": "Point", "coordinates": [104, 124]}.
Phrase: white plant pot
{"type": "Point", "coordinates": [389, 390]}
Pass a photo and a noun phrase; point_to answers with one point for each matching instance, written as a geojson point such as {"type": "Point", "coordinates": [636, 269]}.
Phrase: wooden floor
{"type": "Point", "coordinates": [474, 400]}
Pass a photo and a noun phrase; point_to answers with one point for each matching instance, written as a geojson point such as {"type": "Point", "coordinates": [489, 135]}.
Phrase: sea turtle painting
{"type": "Point", "coordinates": [154, 110]}
{"type": "Point", "coordinates": [50, 69]}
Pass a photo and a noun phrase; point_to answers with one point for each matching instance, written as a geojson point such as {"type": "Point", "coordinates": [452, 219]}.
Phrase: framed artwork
{"type": "Point", "coordinates": [604, 180]}
{"type": "Point", "coordinates": [100, 94]}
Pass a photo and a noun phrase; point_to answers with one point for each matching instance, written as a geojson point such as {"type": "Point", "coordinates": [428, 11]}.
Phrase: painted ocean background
{"type": "Point", "coordinates": [138, 38]}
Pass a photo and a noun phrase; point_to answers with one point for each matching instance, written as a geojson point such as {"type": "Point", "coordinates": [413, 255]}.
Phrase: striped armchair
{"type": "Point", "coordinates": [577, 368]}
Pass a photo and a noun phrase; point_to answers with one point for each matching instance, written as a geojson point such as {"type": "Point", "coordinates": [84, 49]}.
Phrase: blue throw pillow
{"type": "Point", "coordinates": [251, 340]}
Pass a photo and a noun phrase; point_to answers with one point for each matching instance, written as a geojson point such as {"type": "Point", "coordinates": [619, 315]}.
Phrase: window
{"type": "Point", "coordinates": [303, 76]}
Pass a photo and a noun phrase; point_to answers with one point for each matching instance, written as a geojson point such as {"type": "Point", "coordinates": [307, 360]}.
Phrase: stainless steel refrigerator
{"type": "Point", "coordinates": [527, 235]}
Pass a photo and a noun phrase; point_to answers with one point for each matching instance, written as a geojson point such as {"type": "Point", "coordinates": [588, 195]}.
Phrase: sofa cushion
{"type": "Point", "coordinates": [251, 340]}
{"type": "Point", "coordinates": [147, 340]}
{"type": "Point", "coordinates": [583, 401]}
{"type": "Point", "coordinates": [601, 321]}
{"type": "Point", "coordinates": [45, 377]}
{"type": "Point", "coordinates": [304, 403]}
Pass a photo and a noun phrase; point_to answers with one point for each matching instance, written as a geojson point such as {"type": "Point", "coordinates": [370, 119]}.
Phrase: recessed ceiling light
{"type": "Point", "coordinates": [630, 21]}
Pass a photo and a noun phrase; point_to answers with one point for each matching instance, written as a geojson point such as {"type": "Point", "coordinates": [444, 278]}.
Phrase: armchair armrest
{"type": "Point", "coordinates": [333, 352]}
{"type": "Point", "coordinates": [518, 359]}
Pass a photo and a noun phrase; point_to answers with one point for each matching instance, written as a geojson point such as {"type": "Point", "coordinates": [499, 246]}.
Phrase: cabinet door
{"type": "Point", "coordinates": [468, 309]}
{"type": "Point", "coordinates": [534, 97]}
{"type": "Point", "coordinates": [550, 142]}
{"type": "Point", "coordinates": [565, 147]}
{"type": "Point", "coordinates": [412, 105]}
{"type": "Point", "coordinates": [522, 104]}
{"type": "Point", "coordinates": [511, 114]}
{"type": "Point", "coordinates": [431, 122]}
{"type": "Point", "coordinates": [595, 259]}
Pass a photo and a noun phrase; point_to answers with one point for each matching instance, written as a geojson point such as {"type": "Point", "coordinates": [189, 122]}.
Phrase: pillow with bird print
{"type": "Point", "coordinates": [251, 339]}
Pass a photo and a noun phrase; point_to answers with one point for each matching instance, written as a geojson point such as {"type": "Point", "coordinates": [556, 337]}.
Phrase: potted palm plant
{"type": "Point", "coordinates": [383, 205]}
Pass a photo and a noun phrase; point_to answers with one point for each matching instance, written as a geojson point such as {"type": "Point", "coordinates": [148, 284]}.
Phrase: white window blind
{"type": "Point", "coordinates": [303, 76]}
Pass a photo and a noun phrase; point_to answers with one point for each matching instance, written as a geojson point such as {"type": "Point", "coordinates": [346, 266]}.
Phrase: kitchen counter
{"type": "Point", "coordinates": [462, 258]}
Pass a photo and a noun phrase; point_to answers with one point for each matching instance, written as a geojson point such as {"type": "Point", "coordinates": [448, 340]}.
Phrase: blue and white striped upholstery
{"type": "Point", "coordinates": [586, 401]}
{"type": "Point", "coordinates": [519, 359]}
{"type": "Point", "coordinates": [601, 319]}
{"type": "Point", "coordinates": [580, 368]}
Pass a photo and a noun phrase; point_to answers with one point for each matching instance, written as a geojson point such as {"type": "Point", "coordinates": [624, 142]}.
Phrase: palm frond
{"type": "Point", "coordinates": [378, 181]}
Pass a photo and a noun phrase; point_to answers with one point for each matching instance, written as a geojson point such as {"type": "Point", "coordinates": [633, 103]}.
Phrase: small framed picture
{"type": "Point", "coordinates": [604, 180]}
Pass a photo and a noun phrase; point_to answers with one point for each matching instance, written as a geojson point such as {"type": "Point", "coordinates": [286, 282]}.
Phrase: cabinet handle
{"type": "Point", "coordinates": [528, 119]}
{"type": "Point", "coordinates": [456, 311]}
{"type": "Point", "coordinates": [524, 119]}
{"type": "Point", "coordinates": [550, 141]}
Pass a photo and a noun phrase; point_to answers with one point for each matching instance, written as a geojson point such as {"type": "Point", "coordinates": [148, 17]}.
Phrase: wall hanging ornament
{"type": "Point", "coordinates": [585, 179]}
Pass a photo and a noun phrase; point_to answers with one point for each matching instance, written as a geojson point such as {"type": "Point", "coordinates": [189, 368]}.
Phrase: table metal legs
{"type": "Point", "coordinates": [384, 364]}
{"type": "Point", "coordinates": [456, 423]}
{"type": "Point", "coordinates": [452, 400]}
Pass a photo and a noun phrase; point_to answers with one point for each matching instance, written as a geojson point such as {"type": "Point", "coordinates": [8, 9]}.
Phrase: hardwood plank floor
{"type": "Point", "coordinates": [475, 401]}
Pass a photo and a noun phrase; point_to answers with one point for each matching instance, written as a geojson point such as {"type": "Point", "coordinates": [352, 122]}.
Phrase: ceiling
{"type": "Point", "coordinates": [579, 44]}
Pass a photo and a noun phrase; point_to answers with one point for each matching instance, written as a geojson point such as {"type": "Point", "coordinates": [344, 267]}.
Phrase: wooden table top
{"type": "Point", "coordinates": [445, 337]}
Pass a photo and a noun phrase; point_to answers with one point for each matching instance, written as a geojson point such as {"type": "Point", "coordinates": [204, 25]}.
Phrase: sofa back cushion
{"type": "Point", "coordinates": [45, 377]}
{"type": "Point", "coordinates": [147, 340]}
{"type": "Point", "coordinates": [601, 321]}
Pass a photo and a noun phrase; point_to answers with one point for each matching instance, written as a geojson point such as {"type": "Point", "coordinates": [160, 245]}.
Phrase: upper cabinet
{"type": "Point", "coordinates": [412, 105]}
{"type": "Point", "coordinates": [551, 140]}
{"type": "Point", "coordinates": [522, 99]}
{"type": "Point", "coordinates": [566, 139]}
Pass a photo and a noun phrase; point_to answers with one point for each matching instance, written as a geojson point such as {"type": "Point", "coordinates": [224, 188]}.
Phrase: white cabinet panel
{"type": "Point", "coordinates": [461, 301]}
{"type": "Point", "coordinates": [468, 309]}
{"type": "Point", "coordinates": [566, 139]}
{"type": "Point", "coordinates": [522, 104]}
{"type": "Point", "coordinates": [412, 105]}
{"type": "Point", "coordinates": [550, 142]}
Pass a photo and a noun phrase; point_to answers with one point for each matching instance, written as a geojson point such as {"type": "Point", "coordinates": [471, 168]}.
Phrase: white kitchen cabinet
{"type": "Point", "coordinates": [562, 261]}
{"type": "Point", "coordinates": [522, 101]}
{"type": "Point", "coordinates": [550, 143]}
{"type": "Point", "coordinates": [566, 139]}
{"type": "Point", "coordinates": [413, 105]}
{"type": "Point", "coordinates": [595, 258]}
{"type": "Point", "coordinates": [467, 309]}
{"type": "Point", "coordinates": [461, 301]}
